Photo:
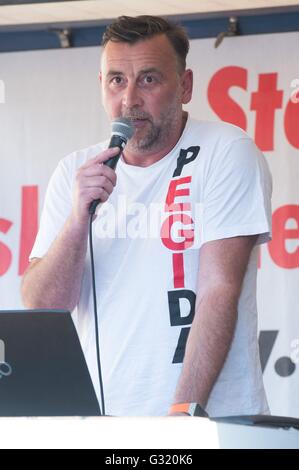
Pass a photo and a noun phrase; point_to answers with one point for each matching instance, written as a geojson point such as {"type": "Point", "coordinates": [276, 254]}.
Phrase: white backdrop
{"type": "Point", "coordinates": [50, 105]}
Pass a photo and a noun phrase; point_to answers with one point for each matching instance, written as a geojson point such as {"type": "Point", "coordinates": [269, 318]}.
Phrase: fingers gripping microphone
{"type": "Point", "coordinates": [122, 131]}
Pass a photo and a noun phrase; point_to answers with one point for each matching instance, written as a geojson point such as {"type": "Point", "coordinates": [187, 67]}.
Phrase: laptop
{"type": "Point", "coordinates": [268, 421]}
{"type": "Point", "coordinates": [43, 371]}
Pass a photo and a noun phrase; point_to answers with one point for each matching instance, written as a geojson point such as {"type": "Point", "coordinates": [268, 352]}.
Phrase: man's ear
{"type": "Point", "coordinates": [100, 76]}
{"type": "Point", "coordinates": [187, 86]}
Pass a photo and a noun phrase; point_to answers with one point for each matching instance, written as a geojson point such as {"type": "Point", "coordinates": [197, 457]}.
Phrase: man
{"type": "Point", "coordinates": [214, 188]}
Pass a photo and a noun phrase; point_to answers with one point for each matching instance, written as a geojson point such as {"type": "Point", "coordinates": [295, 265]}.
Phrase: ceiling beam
{"type": "Point", "coordinates": [80, 11]}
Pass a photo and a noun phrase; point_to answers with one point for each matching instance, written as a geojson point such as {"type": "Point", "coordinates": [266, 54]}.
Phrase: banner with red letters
{"type": "Point", "coordinates": [50, 105]}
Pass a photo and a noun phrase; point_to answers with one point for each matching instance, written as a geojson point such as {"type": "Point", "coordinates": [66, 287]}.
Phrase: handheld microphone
{"type": "Point", "coordinates": [122, 131]}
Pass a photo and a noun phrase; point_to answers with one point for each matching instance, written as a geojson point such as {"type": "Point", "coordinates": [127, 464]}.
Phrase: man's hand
{"type": "Point", "coordinates": [54, 281]}
{"type": "Point", "coordinates": [93, 181]}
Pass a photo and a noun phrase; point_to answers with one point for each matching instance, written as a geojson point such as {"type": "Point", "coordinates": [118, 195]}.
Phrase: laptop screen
{"type": "Point", "coordinates": [43, 371]}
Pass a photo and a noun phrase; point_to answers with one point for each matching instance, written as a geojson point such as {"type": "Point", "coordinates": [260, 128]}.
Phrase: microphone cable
{"type": "Point", "coordinates": [95, 310]}
{"type": "Point", "coordinates": [122, 130]}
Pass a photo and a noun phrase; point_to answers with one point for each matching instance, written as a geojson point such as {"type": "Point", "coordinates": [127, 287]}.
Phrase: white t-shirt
{"type": "Point", "coordinates": [214, 184]}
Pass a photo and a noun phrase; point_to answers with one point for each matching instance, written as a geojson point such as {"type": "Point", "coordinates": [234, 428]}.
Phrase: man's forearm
{"type": "Point", "coordinates": [207, 346]}
{"type": "Point", "coordinates": [55, 280]}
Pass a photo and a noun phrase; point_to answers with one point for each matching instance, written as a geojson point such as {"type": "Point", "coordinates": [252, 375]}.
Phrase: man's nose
{"type": "Point", "coordinates": [131, 96]}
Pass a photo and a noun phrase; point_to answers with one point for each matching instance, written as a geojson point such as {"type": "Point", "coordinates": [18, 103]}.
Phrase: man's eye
{"type": "Point", "coordinates": [149, 79]}
{"type": "Point", "coordinates": [116, 80]}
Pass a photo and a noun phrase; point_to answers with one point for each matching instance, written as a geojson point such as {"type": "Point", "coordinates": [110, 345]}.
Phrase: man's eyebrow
{"type": "Point", "coordinates": [113, 72]}
{"type": "Point", "coordinates": [150, 70]}
{"type": "Point", "coordinates": [141, 72]}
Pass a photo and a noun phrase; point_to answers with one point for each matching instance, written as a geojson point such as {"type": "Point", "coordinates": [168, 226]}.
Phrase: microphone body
{"type": "Point", "coordinates": [122, 131]}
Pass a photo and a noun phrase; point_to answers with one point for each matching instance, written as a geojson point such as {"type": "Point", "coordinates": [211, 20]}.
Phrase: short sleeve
{"type": "Point", "coordinates": [237, 194]}
{"type": "Point", "coordinates": [57, 207]}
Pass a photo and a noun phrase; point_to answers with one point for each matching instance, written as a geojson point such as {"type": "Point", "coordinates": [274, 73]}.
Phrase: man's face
{"type": "Point", "coordinates": [142, 82]}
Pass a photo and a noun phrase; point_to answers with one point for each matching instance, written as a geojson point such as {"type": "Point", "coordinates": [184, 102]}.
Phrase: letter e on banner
{"type": "Point", "coordinates": [282, 256]}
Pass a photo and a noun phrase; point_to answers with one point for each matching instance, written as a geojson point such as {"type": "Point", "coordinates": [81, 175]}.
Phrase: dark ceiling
{"type": "Point", "coordinates": [23, 2]}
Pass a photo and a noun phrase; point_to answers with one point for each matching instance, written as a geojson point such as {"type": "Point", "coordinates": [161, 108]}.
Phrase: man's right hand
{"type": "Point", "coordinates": [93, 181]}
{"type": "Point", "coordinates": [54, 281]}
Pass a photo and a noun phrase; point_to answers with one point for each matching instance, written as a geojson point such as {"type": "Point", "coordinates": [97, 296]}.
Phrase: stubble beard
{"type": "Point", "coordinates": [159, 132]}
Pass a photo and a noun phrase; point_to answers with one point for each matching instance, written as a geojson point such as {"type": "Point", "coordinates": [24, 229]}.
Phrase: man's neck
{"type": "Point", "coordinates": [144, 159]}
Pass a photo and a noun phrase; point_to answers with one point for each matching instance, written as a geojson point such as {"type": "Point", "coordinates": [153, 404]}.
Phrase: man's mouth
{"type": "Point", "coordinates": [136, 117]}
{"type": "Point", "coordinates": [138, 122]}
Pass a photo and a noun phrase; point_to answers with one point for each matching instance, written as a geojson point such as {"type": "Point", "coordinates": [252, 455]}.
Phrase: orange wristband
{"type": "Point", "coordinates": [192, 409]}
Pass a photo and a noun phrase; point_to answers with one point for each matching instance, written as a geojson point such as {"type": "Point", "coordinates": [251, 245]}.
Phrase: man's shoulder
{"type": "Point", "coordinates": [217, 131]}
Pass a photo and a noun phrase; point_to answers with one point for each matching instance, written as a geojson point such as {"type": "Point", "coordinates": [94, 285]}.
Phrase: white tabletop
{"type": "Point", "coordinates": [138, 433]}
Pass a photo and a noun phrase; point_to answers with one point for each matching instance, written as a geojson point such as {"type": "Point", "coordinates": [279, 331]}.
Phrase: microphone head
{"type": "Point", "coordinates": [123, 127]}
